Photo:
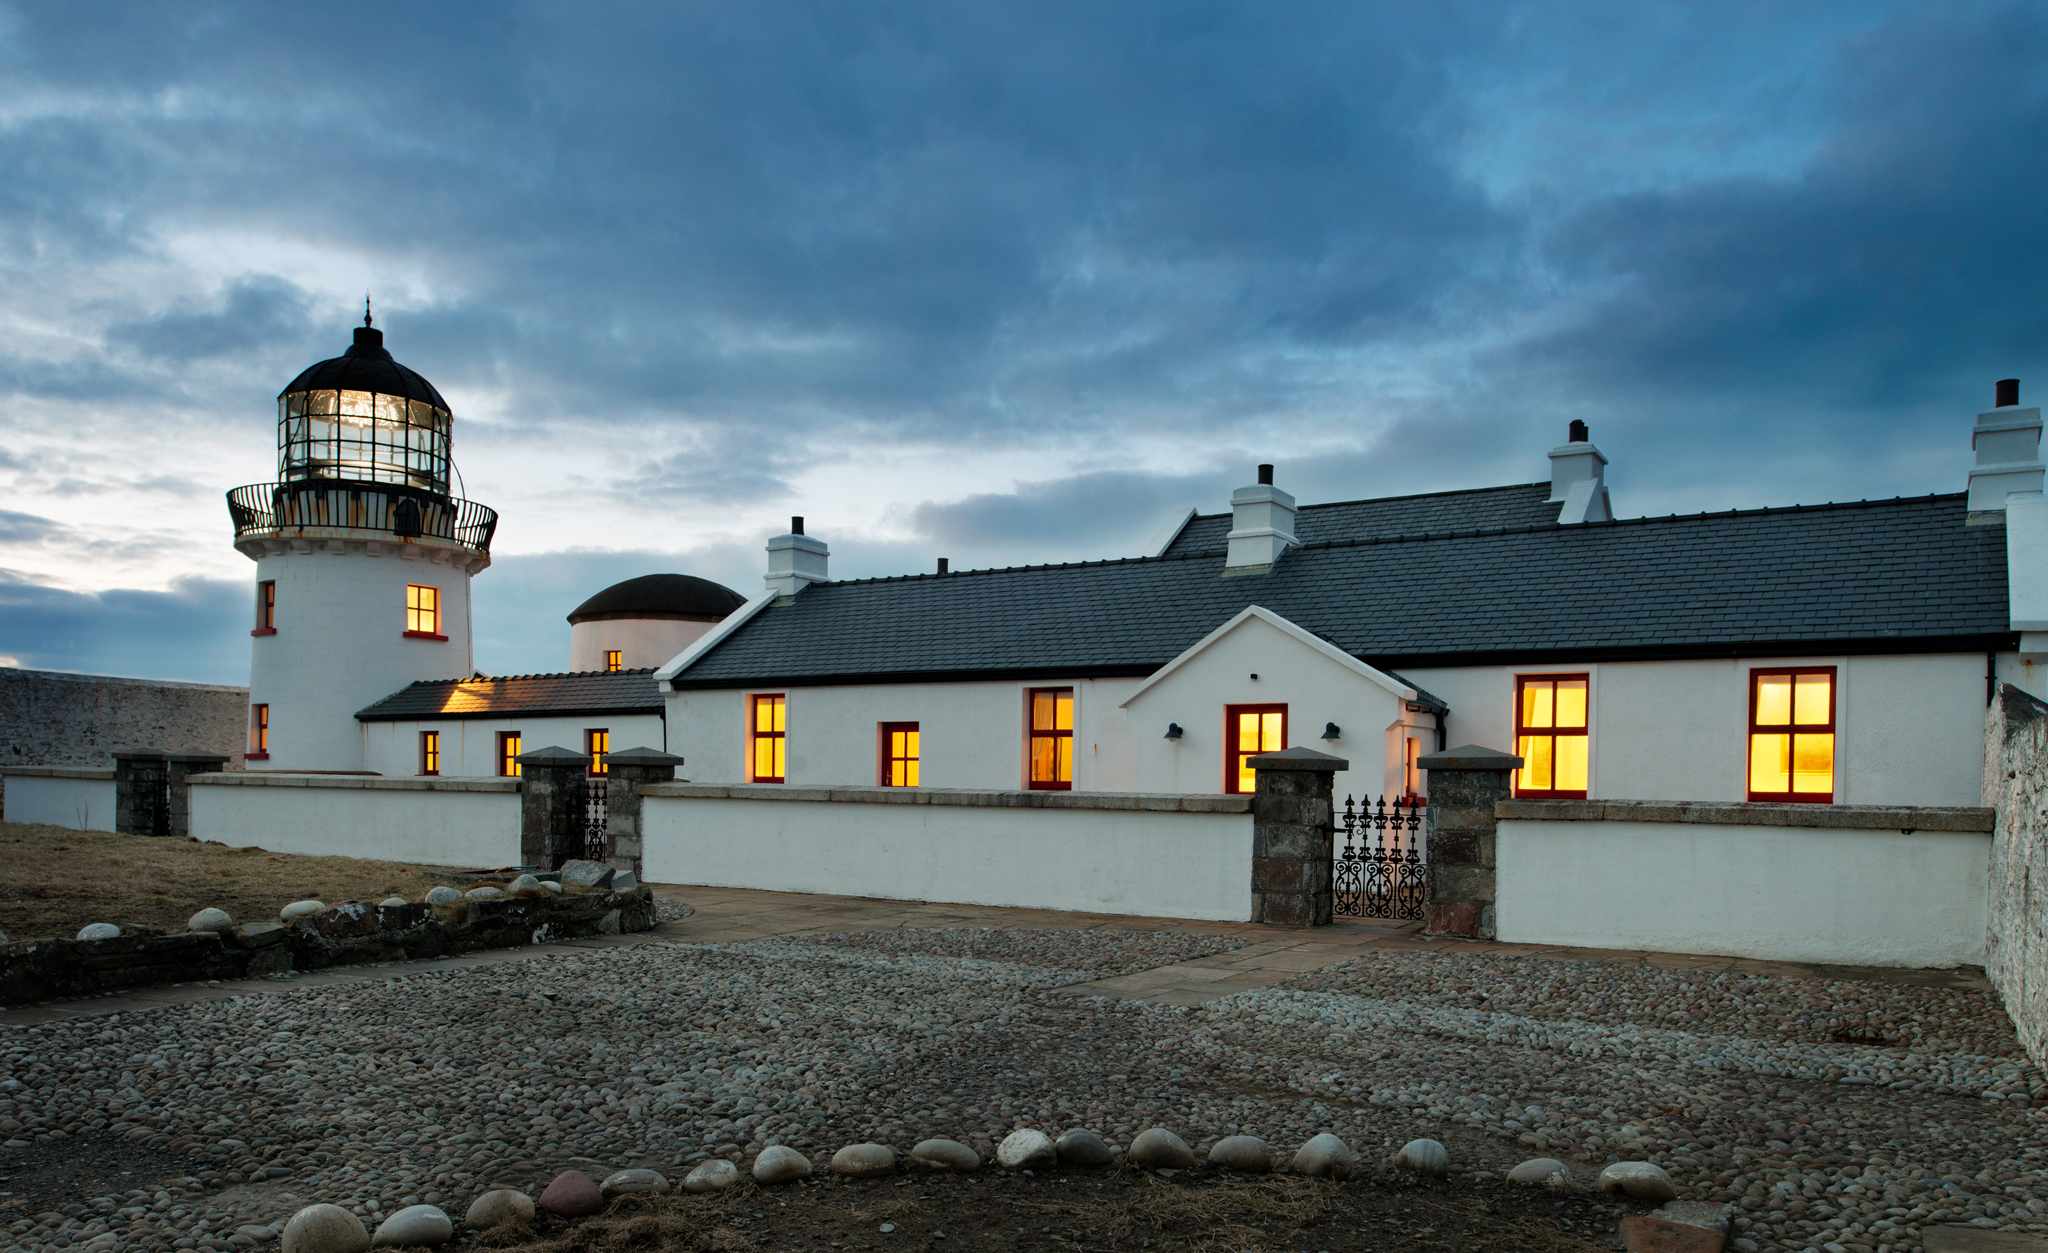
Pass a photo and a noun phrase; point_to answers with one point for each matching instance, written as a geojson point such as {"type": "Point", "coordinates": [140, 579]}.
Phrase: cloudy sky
{"type": "Point", "coordinates": [1001, 283]}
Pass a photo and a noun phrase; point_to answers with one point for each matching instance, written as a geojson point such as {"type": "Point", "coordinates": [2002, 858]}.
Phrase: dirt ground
{"type": "Point", "coordinates": [54, 880]}
{"type": "Point", "coordinates": [1202, 1211]}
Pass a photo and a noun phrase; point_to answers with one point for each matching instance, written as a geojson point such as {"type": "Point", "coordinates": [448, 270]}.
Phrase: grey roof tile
{"type": "Point", "coordinates": [584, 692]}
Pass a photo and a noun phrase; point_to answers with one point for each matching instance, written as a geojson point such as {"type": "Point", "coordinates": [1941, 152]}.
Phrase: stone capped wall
{"type": "Point", "coordinates": [2016, 787]}
{"type": "Point", "coordinates": [49, 718]}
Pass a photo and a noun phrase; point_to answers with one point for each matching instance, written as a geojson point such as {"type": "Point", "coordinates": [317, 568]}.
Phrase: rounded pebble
{"type": "Point", "coordinates": [715, 1175]}
{"type": "Point", "coordinates": [412, 1227]}
{"type": "Point", "coordinates": [572, 1195]}
{"type": "Point", "coordinates": [498, 1207]}
{"type": "Point", "coordinates": [1642, 1181]}
{"type": "Point", "coordinates": [1247, 1155]}
{"type": "Point", "coordinates": [864, 1161]}
{"type": "Point", "coordinates": [1082, 1147]}
{"type": "Point", "coordinates": [1024, 1148]}
{"type": "Point", "coordinates": [99, 931]}
{"type": "Point", "coordinates": [325, 1229]}
{"type": "Point", "coordinates": [1325, 1156]}
{"type": "Point", "coordinates": [443, 895]}
{"type": "Point", "coordinates": [1159, 1148]}
{"type": "Point", "coordinates": [946, 1155]}
{"type": "Point", "coordinates": [524, 883]}
{"type": "Point", "coordinates": [393, 902]}
{"type": "Point", "coordinates": [631, 1182]}
{"type": "Point", "coordinates": [1546, 1172]}
{"type": "Point", "coordinates": [780, 1164]}
{"type": "Point", "coordinates": [300, 909]}
{"type": "Point", "coordinates": [485, 893]}
{"type": "Point", "coordinates": [1424, 1157]}
{"type": "Point", "coordinates": [210, 919]}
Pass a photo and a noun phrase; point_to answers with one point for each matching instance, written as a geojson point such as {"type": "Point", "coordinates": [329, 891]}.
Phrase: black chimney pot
{"type": "Point", "coordinates": [796, 526]}
{"type": "Point", "coordinates": [1266, 475]}
{"type": "Point", "coordinates": [1580, 434]}
{"type": "Point", "coordinates": [2008, 392]}
{"type": "Point", "coordinates": [942, 565]}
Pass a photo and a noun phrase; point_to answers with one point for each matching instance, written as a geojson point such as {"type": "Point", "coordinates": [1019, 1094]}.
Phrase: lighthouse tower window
{"type": "Point", "coordinates": [614, 660]}
{"type": "Point", "coordinates": [266, 608]}
{"type": "Point", "coordinates": [423, 612]}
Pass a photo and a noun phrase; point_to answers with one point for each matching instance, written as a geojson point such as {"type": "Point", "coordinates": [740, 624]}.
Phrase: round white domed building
{"type": "Point", "coordinates": [643, 623]}
{"type": "Point", "coordinates": [363, 557]}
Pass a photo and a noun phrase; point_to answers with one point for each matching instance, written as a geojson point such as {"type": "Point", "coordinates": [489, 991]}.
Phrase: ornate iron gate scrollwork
{"type": "Point", "coordinates": [152, 791]}
{"type": "Point", "coordinates": [1380, 872]}
{"type": "Point", "coordinates": [589, 824]}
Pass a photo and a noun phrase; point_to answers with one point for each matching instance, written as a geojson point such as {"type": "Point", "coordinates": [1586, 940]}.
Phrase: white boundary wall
{"type": "Point", "coordinates": [1093, 852]}
{"type": "Point", "coordinates": [81, 798]}
{"type": "Point", "coordinates": [436, 822]}
{"type": "Point", "coordinates": [1861, 890]}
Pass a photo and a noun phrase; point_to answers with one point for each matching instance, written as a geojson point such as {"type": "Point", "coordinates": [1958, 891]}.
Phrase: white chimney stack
{"type": "Point", "coordinates": [1261, 526]}
{"type": "Point", "coordinates": [1578, 482]}
{"type": "Point", "coordinates": [795, 560]}
{"type": "Point", "coordinates": [2008, 444]}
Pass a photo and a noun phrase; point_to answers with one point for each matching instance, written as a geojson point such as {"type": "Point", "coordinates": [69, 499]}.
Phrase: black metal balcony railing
{"type": "Point", "coordinates": [273, 509]}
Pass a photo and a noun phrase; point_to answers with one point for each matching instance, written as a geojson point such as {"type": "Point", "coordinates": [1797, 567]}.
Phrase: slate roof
{"type": "Point", "coordinates": [586, 692]}
{"type": "Point", "coordinates": [1524, 504]}
{"type": "Point", "coordinates": [1879, 576]}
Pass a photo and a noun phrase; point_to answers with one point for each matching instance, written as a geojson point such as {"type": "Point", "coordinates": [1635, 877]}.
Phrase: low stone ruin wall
{"type": "Point", "coordinates": [352, 933]}
{"type": "Point", "coordinates": [2016, 787]}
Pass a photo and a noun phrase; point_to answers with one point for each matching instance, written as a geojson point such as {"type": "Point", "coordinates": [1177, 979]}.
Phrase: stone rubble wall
{"type": "Point", "coordinates": [49, 718]}
{"type": "Point", "coordinates": [348, 934]}
{"type": "Point", "coordinates": [2016, 788]}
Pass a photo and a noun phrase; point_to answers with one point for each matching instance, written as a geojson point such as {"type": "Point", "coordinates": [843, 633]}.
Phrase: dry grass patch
{"type": "Point", "coordinates": [54, 880]}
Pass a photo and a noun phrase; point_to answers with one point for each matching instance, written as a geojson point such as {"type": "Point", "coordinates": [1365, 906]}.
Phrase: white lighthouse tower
{"type": "Point", "coordinates": [363, 557]}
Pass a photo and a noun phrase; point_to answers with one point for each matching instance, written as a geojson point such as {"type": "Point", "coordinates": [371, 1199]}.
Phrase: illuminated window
{"type": "Point", "coordinates": [422, 610]}
{"type": "Point", "coordinates": [1249, 730]}
{"type": "Point", "coordinates": [614, 660]}
{"type": "Point", "coordinates": [1792, 735]}
{"type": "Point", "coordinates": [899, 754]}
{"type": "Point", "coordinates": [259, 731]}
{"type": "Point", "coordinates": [1550, 735]}
{"type": "Point", "coordinates": [266, 608]}
{"type": "Point", "coordinates": [430, 752]}
{"type": "Point", "coordinates": [767, 734]}
{"type": "Point", "coordinates": [597, 743]}
{"type": "Point", "coordinates": [508, 754]}
{"type": "Point", "coordinates": [1052, 739]}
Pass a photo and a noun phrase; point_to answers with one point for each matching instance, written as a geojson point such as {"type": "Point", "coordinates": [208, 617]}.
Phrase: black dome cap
{"type": "Point", "coordinates": [366, 367]}
{"type": "Point", "coordinates": [660, 596]}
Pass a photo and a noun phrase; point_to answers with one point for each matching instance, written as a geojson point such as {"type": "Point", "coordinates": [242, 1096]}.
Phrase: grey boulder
{"type": "Point", "coordinates": [864, 1161]}
{"type": "Point", "coordinates": [1024, 1148]}
{"type": "Point", "coordinates": [1244, 1154]}
{"type": "Point", "coordinates": [778, 1163]}
{"type": "Point", "coordinates": [1424, 1157]}
{"type": "Point", "coordinates": [498, 1207]}
{"type": "Point", "coordinates": [715, 1175]}
{"type": "Point", "coordinates": [325, 1229]}
{"type": "Point", "coordinates": [586, 876]}
{"type": "Point", "coordinates": [1543, 1172]}
{"type": "Point", "coordinates": [629, 1182]}
{"type": "Point", "coordinates": [1323, 1157]}
{"type": "Point", "coordinates": [412, 1227]}
{"type": "Point", "coordinates": [210, 920]}
{"type": "Point", "coordinates": [1642, 1181]}
{"type": "Point", "coordinates": [946, 1155]}
{"type": "Point", "coordinates": [443, 895]}
{"type": "Point", "coordinates": [300, 909]}
{"type": "Point", "coordinates": [1082, 1147]}
{"type": "Point", "coordinates": [99, 931]}
{"type": "Point", "coordinates": [393, 902]}
{"type": "Point", "coordinates": [484, 893]}
{"type": "Point", "coordinates": [1161, 1149]}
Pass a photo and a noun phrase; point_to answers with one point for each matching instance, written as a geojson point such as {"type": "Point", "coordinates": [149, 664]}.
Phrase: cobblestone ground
{"type": "Point", "coordinates": [1834, 1115]}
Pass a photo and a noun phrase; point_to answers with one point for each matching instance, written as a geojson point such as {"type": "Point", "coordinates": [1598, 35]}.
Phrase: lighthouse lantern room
{"type": "Point", "coordinates": [363, 556]}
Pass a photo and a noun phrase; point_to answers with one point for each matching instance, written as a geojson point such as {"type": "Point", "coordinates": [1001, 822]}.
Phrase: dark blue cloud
{"type": "Point", "coordinates": [188, 632]}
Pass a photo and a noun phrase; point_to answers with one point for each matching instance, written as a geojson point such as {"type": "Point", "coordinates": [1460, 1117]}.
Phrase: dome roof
{"type": "Point", "coordinates": [366, 367]}
{"type": "Point", "coordinates": [660, 596]}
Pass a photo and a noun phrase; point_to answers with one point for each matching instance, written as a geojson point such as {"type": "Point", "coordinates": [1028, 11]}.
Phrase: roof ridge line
{"type": "Point", "coordinates": [1374, 500]}
{"type": "Point", "coordinates": [1048, 565]}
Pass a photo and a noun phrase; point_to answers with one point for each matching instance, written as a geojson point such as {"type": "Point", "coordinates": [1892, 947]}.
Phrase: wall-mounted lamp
{"type": "Point", "coordinates": [1173, 730]}
{"type": "Point", "coordinates": [1330, 731]}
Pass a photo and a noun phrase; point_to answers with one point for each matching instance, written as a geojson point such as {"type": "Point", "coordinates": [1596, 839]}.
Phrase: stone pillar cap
{"type": "Point", "coordinates": [552, 756]}
{"type": "Point", "coordinates": [143, 754]}
{"type": "Point", "coordinates": [198, 756]}
{"type": "Point", "coordinates": [641, 757]}
{"type": "Point", "coordinates": [1469, 757]}
{"type": "Point", "coordinates": [1298, 759]}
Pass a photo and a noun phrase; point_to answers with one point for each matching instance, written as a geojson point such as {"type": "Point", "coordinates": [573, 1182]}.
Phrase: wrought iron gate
{"type": "Point", "coordinates": [1380, 872]}
{"type": "Point", "coordinates": [589, 827]}
{"type": "Point", "coordinates": [151, 781]}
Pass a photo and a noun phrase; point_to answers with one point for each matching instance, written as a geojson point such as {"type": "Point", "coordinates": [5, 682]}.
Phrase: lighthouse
{"type": "Point", "coordinates": [363, 556]}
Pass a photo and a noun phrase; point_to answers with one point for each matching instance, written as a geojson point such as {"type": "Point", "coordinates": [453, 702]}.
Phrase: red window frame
{"type": "Point", "coordinates": [508, 754]}
{"type": "Point", "coordinates": [266, 608]}
{"type": "Point", "coordinates": [1525, 731]}
{"type": "Point", "coordinates": [597, 743]}
{"type": "Point", "coordinates": [430, 752]}
{"type": "Point", "coordinates": [1234, 749]}
{"type": "Point", "coordinates": [1793, 730]}
{"type": "Point", "coordinates": [259, 734]}
{"type": "Point", "coordinates": [772, 739]}
{"type": "Point", "coordinates": [900, 754]}
{"type": "Point", "coordinates": [1057, 741]}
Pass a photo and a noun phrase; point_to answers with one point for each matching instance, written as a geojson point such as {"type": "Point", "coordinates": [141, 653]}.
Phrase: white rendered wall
{"type": "Point", "coordinates": [469, 746]}
{"type": "Point", "coordinates": [1316, 689]}
{"type": "Point", "coordinates": [341, 645]}
{"type": "Point", "coordinates": [646, 642]}
{"type": "Point", "coordinates": [1150, 863]}
{"type": "Point", "coordinates": [1909, 728]}
{"type": "Point", "coordinates": [82, 800]}
{"type": "Point", "coordinates": [433, 822]}
{"type": "Point", "coordinates": [1851, 897]}
{"type": "Point", "coordinates": [971, 734]}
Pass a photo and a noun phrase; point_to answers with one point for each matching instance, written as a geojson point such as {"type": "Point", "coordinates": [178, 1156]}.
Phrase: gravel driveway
{"type": "Point", "coordinates": [1830, 1113]}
